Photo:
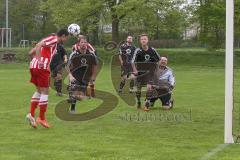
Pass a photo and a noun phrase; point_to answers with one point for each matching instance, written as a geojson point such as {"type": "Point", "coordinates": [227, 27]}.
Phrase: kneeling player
{"type": "Point", "coordinates": [39, 69]}
{"type": "Point", "coordinates": [83, 66]}
{"type": "Point", "coordinates": [161, 86]}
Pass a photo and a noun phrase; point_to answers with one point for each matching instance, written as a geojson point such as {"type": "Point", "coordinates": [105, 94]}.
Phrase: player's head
{"type": "Point", "coordinates": [163, 61]}
{"type": "Point", "coordinates": [82, 43]}
{"type": "Point", "coordinates": [129, 39]}
{"type": "Point", "coordinates": [62, 35]}
{"type": "Point", "coordinates": [80, 37]}
{"type": "Point", "coordinates": [144, 39]}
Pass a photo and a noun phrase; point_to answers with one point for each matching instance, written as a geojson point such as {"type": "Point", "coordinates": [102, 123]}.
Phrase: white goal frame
{"type": "Point", "coordinates": [228, 126]}
{"type": "Point", "coordinates": [6, 37]}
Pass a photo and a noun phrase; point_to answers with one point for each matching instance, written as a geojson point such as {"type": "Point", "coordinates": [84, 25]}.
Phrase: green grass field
{"type": "Point", "coordinates": [114, 136]}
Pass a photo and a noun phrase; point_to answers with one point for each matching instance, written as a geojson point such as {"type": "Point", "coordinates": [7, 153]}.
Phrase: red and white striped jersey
{"type": "Point", "coordinates": [46, 53]}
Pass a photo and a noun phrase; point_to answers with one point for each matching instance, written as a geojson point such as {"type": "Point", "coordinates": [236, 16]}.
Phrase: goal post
{"type": "Point", "coordinates": [228, 126]}
{"type": "Point", "coordinates": [5, 37]}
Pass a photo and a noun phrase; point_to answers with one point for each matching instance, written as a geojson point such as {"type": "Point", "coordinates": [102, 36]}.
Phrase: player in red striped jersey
{"type": "Point", "coordinates": [40, 73]}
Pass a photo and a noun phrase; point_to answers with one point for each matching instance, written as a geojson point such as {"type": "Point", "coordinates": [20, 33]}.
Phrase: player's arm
{"type": "Point", "coordinates": [133, 62]}
{"type": "Point", "coordinates": [94, 73]}
{"type": "Point", "coordinates": [171, 79]}
{"type": "Point", "coordinates": [71, 78]}
{"type": "Point", "coordinates": [32, 53]}
{"type": "Point", "coordinates": [157, 55]}
{"type": "Point", "coordinates": [120, 56]}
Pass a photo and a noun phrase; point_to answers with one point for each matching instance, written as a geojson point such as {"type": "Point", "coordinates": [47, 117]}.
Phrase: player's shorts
{"type": "Point", "coordinates": [126, 70]}
{"type": "Point", "coordinates": [78, 86]}
{"type": "Point", "coordinates": [40, 78]}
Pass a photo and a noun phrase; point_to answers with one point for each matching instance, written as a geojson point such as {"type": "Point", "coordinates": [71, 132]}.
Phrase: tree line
{"type": "Point", "coordinates": [160, 19]}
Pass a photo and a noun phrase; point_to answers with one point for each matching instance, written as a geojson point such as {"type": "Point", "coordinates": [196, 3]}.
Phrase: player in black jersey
{"type": "Point", "coordinates": [144, 62]}
{"type": "Point", "coordinates": [56, 67]}
{"type": "Point", "coordinates": [126, 51]}
{"type": "Point", "coordinates": [82, 65]}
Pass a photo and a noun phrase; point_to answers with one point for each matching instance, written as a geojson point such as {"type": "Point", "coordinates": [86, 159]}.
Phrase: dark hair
{"type": "Point", "coordinates": [166, 56]}
{"type": "Point", "coordinates": [62, 32]}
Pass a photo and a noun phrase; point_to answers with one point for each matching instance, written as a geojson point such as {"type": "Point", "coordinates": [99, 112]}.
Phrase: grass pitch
{"type": "Point", "coordinates": [120, 134]}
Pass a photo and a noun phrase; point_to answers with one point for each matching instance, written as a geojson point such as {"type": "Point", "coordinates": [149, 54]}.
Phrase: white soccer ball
{"type": "Point", "coordinates": [74, 29]}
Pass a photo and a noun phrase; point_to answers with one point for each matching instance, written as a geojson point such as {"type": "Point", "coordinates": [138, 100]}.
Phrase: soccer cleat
{"type": "Point", "coordinates": [44, 122]}
{"type": "Point", "coordinates": [146, 109]}
{"type": "Point", "coordinates": [31, 120]}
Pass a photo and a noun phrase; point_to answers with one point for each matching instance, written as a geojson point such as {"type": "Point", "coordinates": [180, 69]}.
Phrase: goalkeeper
{"type": "Point", "coordinates": [161, 86]}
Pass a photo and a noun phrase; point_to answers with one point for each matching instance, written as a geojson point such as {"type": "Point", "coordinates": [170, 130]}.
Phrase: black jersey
{"type": "Point", "coordinates": [58, 58]}
{"type": "Point", "coordinates": [81, 65]}
{"type": "Point", "coordinates": [126, 52]}
{"type": "Point", "coordinates": [146, 64]}
{"type": "Point", "coordinates": [149, 55]}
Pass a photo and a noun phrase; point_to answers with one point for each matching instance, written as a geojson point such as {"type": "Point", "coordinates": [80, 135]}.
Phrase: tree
{"type": "Point", "coordinates": [211, 17]}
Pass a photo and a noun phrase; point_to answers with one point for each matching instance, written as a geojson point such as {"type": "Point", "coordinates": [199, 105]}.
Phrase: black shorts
{"type": "Point", "coordinates": [77, 86]}
{"type": "Point", "coordinates": [126, 70]}
{"type": "Point", "coordinates": [163, 95]}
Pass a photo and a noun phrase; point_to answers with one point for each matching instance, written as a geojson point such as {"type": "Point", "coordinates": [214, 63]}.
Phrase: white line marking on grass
{"type": "Point", "coordinates": [214, 151]}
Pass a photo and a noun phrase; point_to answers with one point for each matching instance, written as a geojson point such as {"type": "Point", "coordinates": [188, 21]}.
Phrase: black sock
{"type": "Point", "coordinates": [73, 106]}
{"type": "Point", "coordinates": [122, 84]}
{"type": "Point", "coordinates": [131, 84]}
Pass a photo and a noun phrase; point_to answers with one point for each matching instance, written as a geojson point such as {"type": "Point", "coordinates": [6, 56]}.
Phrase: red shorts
{"type": "Point", "coordinates": [40, 78]}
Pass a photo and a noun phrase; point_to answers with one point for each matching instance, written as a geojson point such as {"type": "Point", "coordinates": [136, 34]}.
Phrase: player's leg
{"type": "Point", "coordinates": [123, 79]}
{"type": "Point", "coordinates": [58, 83]}
{"type": "Point", "coordinates": [138, 94]}
{"type": "Point", "coordinates": [151, 97]}
{"type": "Point", "coordinates": [131, 86]}
{"type": "Point", "coordinates": [92, 89]}
{"type": "Point", "coordinates": [33, 106]}
{"type": "Point", "coordinates": [34, 100]}
{"type": "Point", "coordinates": [43, 83]}
{"type": "Point", "coordinates": [43, 104]}
{"type": "Point", "coordinates": [166, 101]}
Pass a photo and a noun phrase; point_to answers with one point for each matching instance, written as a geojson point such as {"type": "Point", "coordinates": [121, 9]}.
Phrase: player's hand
{"type": "Point", "coordinates": [71, 78]}
{"type": "Point", "coordinates": [135, 73]}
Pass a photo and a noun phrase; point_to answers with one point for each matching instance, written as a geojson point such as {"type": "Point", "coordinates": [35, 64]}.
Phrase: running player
{"type": "Point", "coordinates": [144, 63]}
{"type": "Point", "coordinates": [40, 72]}
{"type": "Point", "coordinates": [83, 66]}
{"type": "Point", "coordinates": [126, 52]}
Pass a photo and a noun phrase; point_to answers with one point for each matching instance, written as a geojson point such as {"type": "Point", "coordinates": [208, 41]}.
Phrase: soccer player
{"type": "Point", "coordinates": [58, 61]}
{"type": "Point", "coordinates": [162, 85]}
{"type": "Point", "coordinates": [144, 63]}
{"type": "Point", "coordinates": [126, 52]}
{"type": "Point", "coordinates": [83, 66]}
{"type": "Point", "coordinates": [90, 48]}
{"type": "Point", "coordinates": [40, 72]}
